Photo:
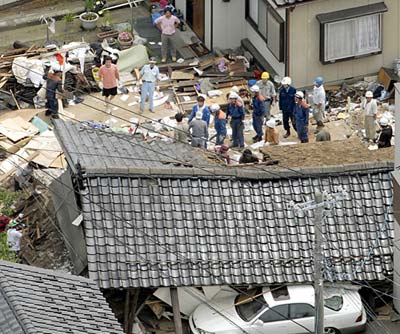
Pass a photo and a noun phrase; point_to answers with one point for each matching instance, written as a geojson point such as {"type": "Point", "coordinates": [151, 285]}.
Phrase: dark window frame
{"type": "Point", "coordinates": [281, 56]}
{"type": "Point", "coordinates": [343, 15]}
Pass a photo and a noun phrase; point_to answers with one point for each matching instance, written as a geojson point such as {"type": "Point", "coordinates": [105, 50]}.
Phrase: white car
{"type": "Point", "coordinates": [286, 310]}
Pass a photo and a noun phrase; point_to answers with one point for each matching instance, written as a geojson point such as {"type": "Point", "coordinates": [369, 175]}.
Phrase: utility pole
{"type": "Point", "coordinates": [318, 266]}
{"type": "Point", "coordinates": [323, 201]}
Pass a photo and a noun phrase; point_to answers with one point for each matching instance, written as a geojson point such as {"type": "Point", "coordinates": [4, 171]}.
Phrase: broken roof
{"type": "Point", "coordinates": [34, 300]}
{"type": "Point", "coordinates": [160, 227]}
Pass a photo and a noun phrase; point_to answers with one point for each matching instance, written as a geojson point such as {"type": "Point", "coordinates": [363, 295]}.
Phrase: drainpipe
{"type": "Point", "coordinates": [287, 38]}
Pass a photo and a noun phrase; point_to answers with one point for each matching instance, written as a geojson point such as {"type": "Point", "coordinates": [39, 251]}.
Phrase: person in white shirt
{"type": "Point", "coordinates": [150, 74]}
{"type": "Point", "coordinates": [267, 90]}
{"type": "Point", "coordinates": [14, 236]}
{"type": "Point", "coordinates": [319, 100]}
{"type": "Point", "coordinates": [370, 108]}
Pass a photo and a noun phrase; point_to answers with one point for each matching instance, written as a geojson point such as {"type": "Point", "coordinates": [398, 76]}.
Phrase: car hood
{"type": "Point", "coordinates": [217, 318]}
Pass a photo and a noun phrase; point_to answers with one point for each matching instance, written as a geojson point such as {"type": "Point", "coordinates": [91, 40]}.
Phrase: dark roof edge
{"type": "Point", "coordinates": [253, 173]}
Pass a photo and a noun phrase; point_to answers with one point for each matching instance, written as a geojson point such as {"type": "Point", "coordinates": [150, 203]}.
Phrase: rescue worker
{"type": "Point", "coordinates": [198, 131]}
{"type": "Point", "coordinates": [370, 108]}
{"type": "Point", "coordinates": [267, 89]}
{"type": "Point", "coordinates": [301, 116]}
{"type": "Point", "coordinates": [385, 137]}
{"type": "Point", "coordinates": [219, 124]}
{"type": "Point", "coordinates": [286, 104]}
{"type": "Point", "coordinates": [248, 157]}
{"type": "Point", "coordinates": [14, 236]}
{"type": "Point", "coordinates": [236, 112]}
{"type": "Point", "coordinates": [150, 75]}
{"type": "Point", "coordinates": [200, 106]}
{"type": "Point", "coordinates": [259, 111]}
{"type": "Point", "coordinates": [319, 100]}
{"type": "Point", "coordinates": [271, 133]}
{"type": "Point", "coordinates": [181, 132]}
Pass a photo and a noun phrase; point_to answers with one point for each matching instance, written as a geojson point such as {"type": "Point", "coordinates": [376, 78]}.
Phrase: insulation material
{"type": "Point", "coordinates": [135, 56]}
{"type": "Point", "coordinates": [17, 128]}
{"type": "Point", "coordinates": [24, 68]}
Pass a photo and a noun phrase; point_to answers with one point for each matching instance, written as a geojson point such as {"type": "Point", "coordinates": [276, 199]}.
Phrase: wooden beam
{"type": "Point", "coordinates": [177, 313]}
{"type": "Point", "coordinates": [126, 311]}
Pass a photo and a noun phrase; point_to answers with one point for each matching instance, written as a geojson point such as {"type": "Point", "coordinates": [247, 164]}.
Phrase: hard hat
{"type": "Point", "coordinates": [215, 107]}
{"type": "Point", "coordinates": [265, 75]}
{"type": "Point", "coordinates": [152, 60]}
{"type": "Point", "coordinates": [271, 123]}
{"type": "Point", "coordinates": [383, 121]}
{"type": "Point", "coordinates": [199, 115]}
{"type": "Point", "coordinates": [318, 81]}
{"type": "Point", "coordinates": [235, 89]}
{"type": "Point", "coordinates": [255, 89]}
{"type": "Point", "coordinates": [286, 81]}
{"type": "Point", "coordinates": [369, 94]}
{"type": "Point", "coordinates": [233, 95]}
{"type": "Point", "coordinates": [299, 94]}
{"type": "Point", "coordinates": [21, 216]}
{"type": "Point", "coordinates": [251, 82]}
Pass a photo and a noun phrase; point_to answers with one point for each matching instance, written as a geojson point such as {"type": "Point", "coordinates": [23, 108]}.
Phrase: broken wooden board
{"type": "Point", "coordinates": [46, 141]}
{"type": "Point", "coordinates": [25, 114]}
{"type": "Point", "coordinates": [46, 159]}
{"type": "Point", "coordinates": [22, 157]}
{"type": "Point", "coordinates": [59, 162]}
{"type": "Point", "coordinates": [180, 75]}
{"type": "Point", "coordinates": [386, 77]}
{"type": "Point", "coordinates": [11, 147]}
{"type": "Point", "coordinates": [17, 128]}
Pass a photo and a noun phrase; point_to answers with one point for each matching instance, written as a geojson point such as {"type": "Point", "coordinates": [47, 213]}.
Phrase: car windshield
{"type": "Point", "coordinates": [334, 303]}
{"type": "Point", "coordinates": [248, 305]}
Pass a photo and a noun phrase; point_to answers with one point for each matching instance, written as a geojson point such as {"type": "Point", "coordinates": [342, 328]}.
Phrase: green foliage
{"type": "Point", "coordinates": [7, 199]}
{"type": "Point", "coordinates": [89, 5]}
{"type": "Point", "coordinates": [5, 253]}
{"type": "Point", "coordinates": [107, 18]}
{"type": "Point", "coordinates": [68, 17]}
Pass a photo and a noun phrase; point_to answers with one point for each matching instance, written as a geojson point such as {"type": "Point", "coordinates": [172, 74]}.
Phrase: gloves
{"type": "Point", "coordinates": [100, 84]}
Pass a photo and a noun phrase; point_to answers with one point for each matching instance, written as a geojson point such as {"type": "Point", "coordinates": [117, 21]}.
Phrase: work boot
{"type": "Point", "coordinates": [287, 134]}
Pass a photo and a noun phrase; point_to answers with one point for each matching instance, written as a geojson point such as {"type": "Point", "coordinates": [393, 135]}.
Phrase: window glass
{"type": "Point", "coordinates": [262, 18]}
{"type": "Point", "coordinates": [253, 10]}
{"type": "Point", "coordinates": [334, 303]}
{"type": "Point", "coordinates": [247, 307]}
{"type": "Point", "coordinates": [276, 313]}
{"type": "Point", "coordinates": [301, 311]}
{"type": "Point", "coordinates": [274, 34]}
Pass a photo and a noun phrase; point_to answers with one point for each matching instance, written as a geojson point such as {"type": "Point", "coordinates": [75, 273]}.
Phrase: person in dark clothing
{"type": "Point", "coordinates": [53, 84]}
{"type": "Point", "coordinates": [236, 112]}
{"type": "Point", "coordinates": [301, 115]}
{"type": "Point", "coordinates": [386, 134]}
{"type": "Point", "coordinates": [259, 112]}
{"type": "Point", "coordinates": [248, 157]}
{"type": "Point", "coordinates": [287, 104]}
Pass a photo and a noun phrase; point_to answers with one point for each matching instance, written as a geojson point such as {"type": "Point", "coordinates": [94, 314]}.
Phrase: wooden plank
{"type": "Point", "coordinates": [17, 128]}
{"type": "Point", "coordinates": [180, 75]}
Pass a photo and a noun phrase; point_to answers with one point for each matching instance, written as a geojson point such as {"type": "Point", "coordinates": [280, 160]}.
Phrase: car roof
{"type": "Point", "coordinates": [296, 294]}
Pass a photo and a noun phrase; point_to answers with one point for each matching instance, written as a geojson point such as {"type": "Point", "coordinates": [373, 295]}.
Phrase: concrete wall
{"type": "Point", "coordinates": [305, 39]}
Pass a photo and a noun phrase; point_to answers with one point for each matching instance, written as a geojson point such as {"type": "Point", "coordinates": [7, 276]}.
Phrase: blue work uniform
{"type": "Point", "coordinates": [206, 114]}
{"type": "Point", "coordinates": [236, 112]}
{"type": "Point", "coordinates": [220, 128]}
{"type": "Point", "coordinates": [287, 104]}
{"type": "Point", "coordinates": [259, 111]}
{"type": "Point", "coordinates": [301, 115]}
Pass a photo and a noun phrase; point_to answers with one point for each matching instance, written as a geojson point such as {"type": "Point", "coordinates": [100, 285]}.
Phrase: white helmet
{"type": "Point", "coordinates": [215, 107]}
{"type": "Point", "coordinates": [235, 89]}
{"type": "Point", "coordinates": [233, 95]}
{"type": "Point", "coordinates": [383, 121]}
{"type": "Point", "coordinates": [255, 89]}
{"type": "Point", "coordinates": [369, 94]}
{"type": "Point", "coordinates": [271, 123]}
{"type": "Point", "coordinates": [199, 115]}
{"type": "Point", "coordinates": [299, 94]}
{"type": "Point", "coordinates": [286, 81]}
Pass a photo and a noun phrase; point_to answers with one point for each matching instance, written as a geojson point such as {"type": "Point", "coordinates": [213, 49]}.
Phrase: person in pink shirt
{"type": "Point", "coordinates": [108, 75]}
{"type": "Point", "coordinates": [167, 24]}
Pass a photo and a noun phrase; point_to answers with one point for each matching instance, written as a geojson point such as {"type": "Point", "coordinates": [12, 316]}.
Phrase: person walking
{"type": "Point", "coordinates": [319, 100]}
{"type": "Point", "coordinates": [181, 131]}
{"type": "Point", "coordinates": [259, 111]}
{"type": "Point", "coordinates": [200, 106]}
{"type": "Point", "coordinates": [236, 112]}
{"type": "Point", "coordinates": [53, 85]}
{"type": "Point", "coordinates": [168, 24]}
{"type": "Point", "coordinates": [267, 89]}
{"type": "Point", "coordinates": [149, 74]}
{"type": "Point", "coordinates": [219, 124]}
{"type": "Point", "coordinates": [109, 76]}
{"type": "Point", "coordinates": [301, 115]}
{"type": "Point", "coordinates": [286, 104]}
{"type": "Point", "coordinates": [198, 131]}
{"type": "Point", "coordinates": [385, 137]}
{"type": "Point", "coordinates": [370, 108]}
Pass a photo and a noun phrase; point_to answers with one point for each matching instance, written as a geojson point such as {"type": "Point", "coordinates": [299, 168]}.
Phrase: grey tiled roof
{"type": "Point", "coordinates": [99, 149]}
{"type": "Point", "coordinates": [144, 232]}
{"type": "Point", "coordinates": [38, 301]}
{"type": "Point", "coordinates": [163, 226]}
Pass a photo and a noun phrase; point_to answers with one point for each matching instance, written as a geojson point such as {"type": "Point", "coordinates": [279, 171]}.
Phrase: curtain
{"type": "Point", "coordinates": [368, 34]}
{"type": "Point", "coordinates": [339, 40]}
{"type": "Point", "coordinates": [253, 10]}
